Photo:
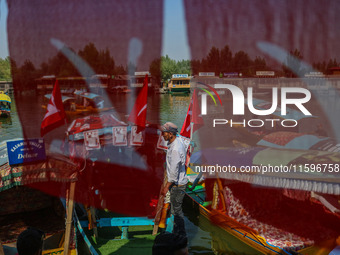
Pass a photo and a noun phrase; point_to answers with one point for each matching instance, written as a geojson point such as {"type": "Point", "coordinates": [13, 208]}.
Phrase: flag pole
{"type": "Point", "coordinates": [191, 119]}
{"type": "Point", "coordinates": [191, 130]}
{"type": "Point", "coordinates": [69, 210]}
{"type": "Point", "coordinates": [191, 127]}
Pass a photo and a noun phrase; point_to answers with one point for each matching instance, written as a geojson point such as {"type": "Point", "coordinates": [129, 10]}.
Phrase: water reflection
{"type": "Point", "coordinates": [174, 108]}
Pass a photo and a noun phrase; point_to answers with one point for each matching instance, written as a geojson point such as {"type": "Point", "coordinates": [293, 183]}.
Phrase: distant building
{"type": "Point", "coordinates": [180, 83]}
{"type": "Point", "coordinates": [265, 74]}
{"type": "Point", "coordinates": [335, 70]}
{"type": "Point", "coordinates": [6, 86]}
{"type": "Point", "coordinates": [206, 74]}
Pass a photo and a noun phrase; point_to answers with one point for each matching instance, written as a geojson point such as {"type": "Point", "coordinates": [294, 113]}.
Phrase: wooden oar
{"type": "Point", "coordinates": [69, 217]}
{"type": "Point", "coordinates": [160, 206]}
{"type": "Point", "coordinates": [1, 250]}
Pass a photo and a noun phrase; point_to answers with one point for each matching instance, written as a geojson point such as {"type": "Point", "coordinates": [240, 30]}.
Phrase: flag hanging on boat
{"type": "Point", "coordinates": [193, 116]}
{"type": "Point", "coordinates": [55, 115]}
{"type": "Point", "coordinates": [138, 113]}
{"type": "Point", "coordinates": [194, 121]}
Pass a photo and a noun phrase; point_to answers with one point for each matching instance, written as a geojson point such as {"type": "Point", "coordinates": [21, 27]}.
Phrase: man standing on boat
{"type": "Point", "coordinates": [177, 178]}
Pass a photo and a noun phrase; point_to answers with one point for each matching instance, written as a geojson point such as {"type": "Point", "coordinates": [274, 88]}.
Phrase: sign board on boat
{"type": "Point", "coordinates": [142, 73]}
{"type": "Point", "coordinates": [24, 151]}
{"type": "Point", "coordinates": [314, 74]}
{"type": "Point", "coordinates": [228, 75]}
{"type": "Point", "coordinates": [180, 76]}
{"type": "Point", "coordinates": [206, 74]}
{"type": "Point", "coordinates": [265, 73]}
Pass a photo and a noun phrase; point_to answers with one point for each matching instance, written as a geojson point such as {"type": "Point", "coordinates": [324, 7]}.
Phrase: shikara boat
{"type": "Point", "coordinates": [22, 205]}
{"type": "Point", "coordinates": [257, 211]}
{"type": "Point", "coordinates": [80, 103]}
{"type": "Point", "coordinates": [299, 141]}
{"type": "Point", "coordinates": [5, 105]}
{"type": "Point", "coordinates": [90, 102]}
{"type": "Point", "coordinates": [107, 141]}
{"type": "Point", "coordinates": [69, 104]}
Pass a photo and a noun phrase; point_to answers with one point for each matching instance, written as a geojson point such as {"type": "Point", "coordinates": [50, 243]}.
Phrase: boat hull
{"type": "Point", "coordinates": [231, 237]}
{"type": "Point", "coordinates": [5, 114]}
{"type": "Point", "coordinates": [180, 90]}
{"type": "Point", "coordinates": [228, 238]}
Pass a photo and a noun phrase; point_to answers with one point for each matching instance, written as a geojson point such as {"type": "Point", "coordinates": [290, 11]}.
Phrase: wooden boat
{"type": "Point", "coordinates": [22, 206]}
{"type": "Point", "coordinates": [299, 141]}
{"type": "Point", "coordinates": [268, 213]}
{"type": "Point", "coordinates": [5, 105]}
{"type": "Point", "coordinates": [116, 234]}
{"type": "Point", "coordinates": [90, 102]}
{"type": "Point", "coordinates": [69, 104]}
{"type": "Point", "coordinates": [180, 83]}
{"type": "Point", "coordinates": [120, 84]}
{"type": "Point", "coordinates": [101, 229]}
{"type": "Point", "coordinates": [81, 103]}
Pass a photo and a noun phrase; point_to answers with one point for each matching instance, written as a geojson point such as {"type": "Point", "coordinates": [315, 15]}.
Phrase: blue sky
{"type": "Point", "coordinates": [175, 43]}
{"type": "Point", "coordinates": [3, 33]}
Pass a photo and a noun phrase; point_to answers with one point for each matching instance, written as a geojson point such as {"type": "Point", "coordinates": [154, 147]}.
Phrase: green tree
{"type": "Point", "coordinates": [242, 63]}
{"type": "Point", "coordinates": [212, 62]}
{"type": "Point", "coordinates": [184, 67]}
{"type": "Point", "coordinates": [260, 64]}
{"type": "Point", "coordinates": [90, 54]}
{"type": "Point", "coordinates": [155, 71]}
{"type": "Point", "coordinates": [226, 58]}
{"type": "Point", "coordinates": [292, 66]}
{"type": "Point", "coordinates": [60, 66]}
{"type": "Point", "coordinates": [25, 75]}
{"type": "Point", "coordinates": [195, 66]}
{"type": "Point", "coordinates": [5, 69]}
{"type": "Point", "coordinates": [168, 67]}
{"type": "Point", "coordinates": [105, 64]}
{"type": "Point", "coordinates": [120, 70]}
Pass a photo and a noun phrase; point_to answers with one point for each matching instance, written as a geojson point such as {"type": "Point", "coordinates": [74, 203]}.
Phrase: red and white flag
{"type": "Point", "coordinates": [192, 120]}
{"type": "Point", "coordinates": [193, 116]}
{"type": "Point", "coordinates": [55, 115]}
{"type": "Point", "coordinates": [138, 113]}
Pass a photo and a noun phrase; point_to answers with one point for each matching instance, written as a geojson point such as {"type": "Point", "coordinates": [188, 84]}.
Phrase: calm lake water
{"type": "Point", "coordinates": [172, 108]}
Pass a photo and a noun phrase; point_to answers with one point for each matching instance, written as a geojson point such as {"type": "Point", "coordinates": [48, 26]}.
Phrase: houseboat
{"type": "Point", "coordinates": [180, 83]}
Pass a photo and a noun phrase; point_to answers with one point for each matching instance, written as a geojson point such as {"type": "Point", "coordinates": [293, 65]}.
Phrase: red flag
{"type": "Point", "coordinates": [186, 125]}
{"type": "Point", "coordinates": [193, 115]}
{"type": "Point", "coordinates": [138, 113]}
{"type": "Point", "coordinates": [55, 115]}
{"type": "Point", "coordinates": [188, 156]}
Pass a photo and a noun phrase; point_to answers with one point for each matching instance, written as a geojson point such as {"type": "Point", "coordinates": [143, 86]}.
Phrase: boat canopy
{"type": "Point", "coordinates": [4, 97]}
{"type": "Point", "coordinates": [56, 168]}
{"type": "Point", "coordinates": [87, 95]}
{"type": "Point", "coordinates": [63, 98]}
{"type": "Point", "coordinates": [103, 123]}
